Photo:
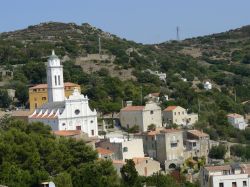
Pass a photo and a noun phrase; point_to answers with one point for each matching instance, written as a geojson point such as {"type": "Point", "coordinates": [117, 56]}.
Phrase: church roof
{"type": "Point", "coordinates": [53, 105]}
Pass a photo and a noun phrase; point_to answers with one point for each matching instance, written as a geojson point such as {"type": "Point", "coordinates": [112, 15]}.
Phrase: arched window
{"type": "Point", "coordinates": [55, 80]}
{"type": "Point", "coordinates": [59, 82]}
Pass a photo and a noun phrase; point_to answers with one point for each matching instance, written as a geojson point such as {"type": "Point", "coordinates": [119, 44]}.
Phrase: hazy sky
{"type": "Point", "coordinates": [146, 21]}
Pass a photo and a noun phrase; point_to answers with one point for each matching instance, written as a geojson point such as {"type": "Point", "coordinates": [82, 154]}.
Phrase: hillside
{"type": "Point", "coordinates": [116, 73]}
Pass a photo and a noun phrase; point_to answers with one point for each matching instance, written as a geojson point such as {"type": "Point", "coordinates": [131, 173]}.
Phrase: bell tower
{"type": "Point", "coordinates": [55, 79]}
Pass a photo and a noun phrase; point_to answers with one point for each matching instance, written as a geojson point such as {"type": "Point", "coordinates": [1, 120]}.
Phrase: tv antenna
{"type": "Point", "coordinates": [177, 33]}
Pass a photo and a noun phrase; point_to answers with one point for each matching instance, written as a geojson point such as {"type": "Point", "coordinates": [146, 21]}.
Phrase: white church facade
{"type": "Point", "coordinates": [72, 113]}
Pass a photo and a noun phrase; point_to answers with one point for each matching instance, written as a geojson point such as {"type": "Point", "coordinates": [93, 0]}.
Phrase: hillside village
{"type": "Point", "coordinates": [178, 109]}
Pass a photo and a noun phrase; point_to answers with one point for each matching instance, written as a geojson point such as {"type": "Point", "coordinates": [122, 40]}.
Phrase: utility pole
{"type": "Point", "coordinates": [177, 33]}
{"type": "Point", "coordinates": [141, 95]}
{"type": "Point", "coordinates": [235, 95]}
{"type": "Point", "coordinates": [100, 46]}
{"type": "Point", "coordinates": [199, 106]}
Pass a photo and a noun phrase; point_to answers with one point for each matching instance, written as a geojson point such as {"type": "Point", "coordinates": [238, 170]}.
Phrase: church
{"type": "Point", "coordinates": [72, 113]}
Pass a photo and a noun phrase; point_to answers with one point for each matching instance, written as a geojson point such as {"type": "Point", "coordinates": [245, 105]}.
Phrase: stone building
{"type": "Point", "coordinates": [196, 144]}
{"type": "Point", "coordinates": [123, 148]}
{"type": "Point", "coordinates": [178, 115]}
{"type": "Point", "coordinates": [143, 116]}
{"type": "Point", "coordinates": [170, 148]}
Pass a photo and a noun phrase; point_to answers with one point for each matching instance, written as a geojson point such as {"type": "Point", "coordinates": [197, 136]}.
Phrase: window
{"type": "Point", "coordinates": [92, 132]}
{"type": "Point", "coordinates": [63, 124]}
{"type": "Point", "coordinates": [55, 80]}
{"type": "Point", "coordinates": [35, 105]}
{"type": "Point", "coordinates": [179, 113]}
{"type": "Point", "coordinates": [59, 81]}
{"type": "Point", "coordinates": [43, 98]}
{"type": "Point", "coordinates": [174, 113]}
{"type": "Point", "coordinates": [91, 121]}
{"type": "Point", "coordinates": [151, 112]}
{"type": "Point", "coordinates": [183, 112]}
{"type": "Point", "coordinates": [194, 144]}
{"type": "Point", "coordinates": [78, 127]}
{"type": "Point", "coordinates": [173, 145]}
{"type": "Point", "coordinates": [125, 149]}
{"type": "Point", "coordinates": [77, 111]}
{"type": "Point", "coordinates": [244, 183]}
{"type": "Point", "coordinates": [221, 184]}
{"type": "Point", "coordinates": [234, 184]}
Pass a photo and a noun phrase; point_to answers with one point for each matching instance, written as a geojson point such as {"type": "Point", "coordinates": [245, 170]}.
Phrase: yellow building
{"type": "Point", "coordinates": [38, 95]}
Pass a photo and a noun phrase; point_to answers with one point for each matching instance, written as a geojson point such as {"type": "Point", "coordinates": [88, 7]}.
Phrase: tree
{"type": "Point", "coordinates": [161, 180]}
{"type": "Point", "coordinates": [218, 152]}
{"type": "Point", "coordinates": [100, 173]}
{"type": "Point", "coordinates": [152, 127]}
{"type": "Point", "coordinates": [129, 173]}
{"type": "Point", "coordinates": [63, 180]}
{"type": "Point", "coordinates": [5, 100]}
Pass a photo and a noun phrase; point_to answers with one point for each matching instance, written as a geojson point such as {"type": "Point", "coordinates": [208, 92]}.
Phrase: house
{"type": "Point", "coordinates": [237, 121]}
{"type": "Point", "coordinates": [105, 153]}
{"type": "Point", "coordinates": [142, 116]}
{"type": "Point", "coordinates": [170, 148]}
{"type": "Point", "coordinates": [78, 135]}
{"type": "Point", "coordinates": [196, 144]}
{"type": "Point", "coordinates": [207, 85]}
{"type": "Point", "coordinates": [60, 113]}
{"type": "Point", "coordinates": [38, 95]}
{"type": "Point", "coordinates": [149, 141]}
{"type": "Point", "coordinates": [48, 184]}
{"type": "Point", "coordinates": [155, 97]}
{"type": "Point", "coordinates": [144, 166]}
{"type": "Point", "coordinates": [123, 148]}
{"type": "Point", "coordinates": [178, 115]}
{"type": "Point", "coordinates": [234, 175]}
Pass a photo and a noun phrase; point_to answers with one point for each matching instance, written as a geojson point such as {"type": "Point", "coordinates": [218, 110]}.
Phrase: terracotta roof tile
{"type": "Point", "coordinates": [133, 108]}
{"type": "Point", "coordinates": [67, 132]}
{"type": "Point", "coordinates": [103, 151]}
{"type": "Point", "coordinates": [118, 162]}
{"type": "Point", "coordinates": [235, 115]}
{"type": "Point", "coordinates": [45, 86]}
{"type": "Point", "coordinates": [198, 133]}
{"type": "Point", "coordinates": [157, 94]}
{"type": "Point", "coordinates": [218, 168]}
{"type": "Point", "coordinates": [170, 108]}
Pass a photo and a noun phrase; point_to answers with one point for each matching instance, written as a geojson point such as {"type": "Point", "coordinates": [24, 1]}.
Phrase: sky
{"type": "Point", "coordinates": [144, 21]}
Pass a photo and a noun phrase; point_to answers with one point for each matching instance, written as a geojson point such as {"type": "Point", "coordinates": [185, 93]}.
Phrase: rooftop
{"type": "Point", "coordinates": [133, 108]}
{"type": "Point", "coordinates": [170, 108]}
{"type": "Point", "coordinates": [234, 115]}
{"type": "Point", "coordinates": [45, 86]}
{"type": "Point", "coordinates": [198, 133]}
{"type": "Point", "coordinates": [67, 132]}
{"type": "Point", "coordinates": [103, 151]}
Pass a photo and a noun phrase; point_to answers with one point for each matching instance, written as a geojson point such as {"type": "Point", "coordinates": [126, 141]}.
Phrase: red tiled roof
{"type": "Point", "coordinates": [234, 115]}
{"type": "Point", "coordinates": [170, 108]}
{"type": "Point", "coordinates": [103, 151]}
{"type": "Point", "coordinates": [218, 168]}
{"type": "Point", "coordinates": [133, 108]}
{"type": "Point", "coordinates": [45, 86]}
{"type": "Point", "coordinates": [170, 130]}
{"type": "Point", "coordinates": [198, 133]}
{"type": "Point", "coordinates": [67, 132]}
{"type": "Point", "coordinates": [157, 94]}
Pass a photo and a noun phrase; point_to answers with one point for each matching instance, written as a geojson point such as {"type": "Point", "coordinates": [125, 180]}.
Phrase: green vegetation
{"type": "Point", "coordinates": [218, 152]}
{"type": "Point", "coordinates": [30, 154]}
{"type": "Point", "coordinates": [221, 58]}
